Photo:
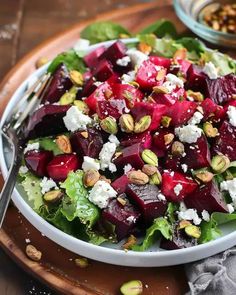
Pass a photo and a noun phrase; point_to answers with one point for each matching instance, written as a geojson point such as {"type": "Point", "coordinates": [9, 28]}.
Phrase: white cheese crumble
{"type": "Point", "coordinates": [101, 193]}
{"type": "Point", "coordinates": [124, 61]}
{"type": "Point", "coordinates": [97, 83]}
{"type": "Point", "coordinates": [75, 119]}
{"type": "Point", "coordinates": [90, 163]}
{"type": "Point", "coordinates": [129, 77]}
{"type": "Point", "coordinates": [188, 133]}
{"type": "Point", "coordinates": [232, 115]}
{"type": "Point", "coordinates": [106, 155]}
{"type": "Point", "coordinates": [161, 197]}
{"type": "Point", "coordinates": [131, 219]}
{"type": "Point", "coordinates": [47, 184]}
{"type": "Point", "coordinates": [205, 215]}
{"type": "Point", "coordinates": [81, 45]}
{"type": "Point", "coordinates": [178, 188]}
{"type": "Point", "coordinates": [23, 170]}
{"type": "Point", "coordinates": [196, 118]}
{"type": "Point", "coordinates": [127, 168]}
{"type": "Point", "coordinates": [230, 186]}
{"type": "Point", "coordinates": [184, 167]}
{"type": "Point", "coordinates": [27, 241]}
{"type": "Point", "coordinates": [230, 208]}
{"type": "Point", "coordinates": [137, 57]}
{"type": "Point", "coordinates": [175, 80]}
{"type": "Point", "coordinates": [210, 70]}
{"type": "Point", "coordinates": [112, 138]}
{"type": "Point", "coordinates": [119, 104]}
{"type": "Point", "coordinates": [182, 206]}
{"type": "Point", "coordinates": [31, 147]}
{"type": "Point", "coordinates": [190, 214]}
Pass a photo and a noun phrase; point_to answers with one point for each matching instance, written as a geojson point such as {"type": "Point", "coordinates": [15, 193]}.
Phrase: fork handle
{"type": "Point", "coordinates": [9, 184]}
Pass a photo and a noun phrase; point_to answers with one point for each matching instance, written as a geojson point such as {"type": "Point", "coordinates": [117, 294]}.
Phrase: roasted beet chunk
{"type": "Point", "coordinates": [87, 143]}
{"type": "Point", "coordinates": [124, 217]}
{"type": "Point", "coordinates": [116, 51]}
{"type": "Point", "coordinates": [196, 79]}
{"type": "Point", "coordinates": [144, 138]}
{"type": "Point", "coordinates": [48, 120]}
{"type": "Point", "coordinates": [181, 112]}
{"type": "Point", "coordinates": [179, 240]}
{"type": "Point", "coordinates": [120, 184]}
{"type": "Point", "coordinates": [222, 89]}
{"type": "Point", "coordinates": [59, 84]}
{"type": "Point", "coordinates": [103, 71]}
{"type": "Point", "coordinates": [146, 197]}
{"type": "Point", "coordinates": [92, 58]}
{"type": "Point", "coordinates": [207, 197]}
{"type": "Point", "coordinates": [36, 161]}
{"type": "Point", "coordinates": [226, 142]}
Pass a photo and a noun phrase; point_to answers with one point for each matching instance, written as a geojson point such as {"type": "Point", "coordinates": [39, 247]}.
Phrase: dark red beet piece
{"type": "Point", "coordinates": [92, 58]}
{"type": "Point", "coordinates": [173, 163]}
{"type": "Point", "coordinates": [144, 138]}
{"type": "Point", "coordinates": [116, 51]}
{"type": "Point", "coordinates": [209, 107]}
{"type": "Point", "coordinates": [103, 71]}
{"type": "Point", "coordinates": [90, 146]}
{"type": "Point", "coordinates": [59, 167]}
{"type": "Point", "coordinates": [130, 155]}
{"type": "Point", "coordinates": [226, 141]}
{"type": "Point", "coordinates": [47, 120]}
{"type": "Point", "coordinates": [159, 139]}
{"type": "Point", "coordinates": [181, 112]}
{"type": "Point", "coordinates": [113, 107]}
{"type": "Point", "coordinates": [89, 87]}
{"type": "Point", "coordinates": [124, 217]}
{"type": "Point", "coordinates": [160, 61]}
{"type": "Point", "coordinates": [207, 197]}
{"type": "Point", "coordinates": [176, 186]}
{"type": "Point", "coordinates": [36, 161]}
{"type": "Point", "coordinates": [196, 79]}
{"type": "Point", "coordinates": [59, 84]}
{"type": "Point", "coordinates": [120, 184]}
{"type": "Point", "coordinates": [170, 98]}
{"type": "Point", "coordinates": [146, 198]}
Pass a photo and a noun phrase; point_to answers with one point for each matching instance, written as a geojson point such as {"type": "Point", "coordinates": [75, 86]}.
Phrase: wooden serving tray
{"type": "Point", "coordinates": [57, 268]}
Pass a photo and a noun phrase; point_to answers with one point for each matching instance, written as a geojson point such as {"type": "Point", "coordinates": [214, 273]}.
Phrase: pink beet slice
{"type": "Point", "coordinates": [180, 67]}
{"type": "Point", "coordinates": [159, 139]}
{"type": "Point", "coordinates": [128, 92]}
{"type": "Point", "coordinates": [160, 61]}
{"type": "Point", "coordinates": [147, 73]}
{"type": "Point", "coordinates": [170, 98]}
{"type": "Point", "coordinates": [103, 70]}
{"type": "Point", "coordinates": [59, 167]}
{"type": "Point", "coordinates": [112, 107]}
{"type": "Point", "coordinates": [181, 112]}
{"type": "Point", "coordinates": [116, 51]}
{"type": "Point", "coordinates": [92, 58]}
{"type": "Point", "coordinates": [120, 184]}
{"type": "Point", "coordinates": [209, 107]}
{"type": "Point", "coordinates": [90, 146]}
{"type": "Point", "coordinates": [226, 141]}
{"type": "Point", "coordinates": [124, 217]}
{"type": "Point", "coordinates": [146, 198]}
{"type": "Point", "coordinates": [197, 155]}
{"type": "Point", "coordinates": [89, 87]}
{"type": "Point", "coordinates": [47, 120]}
{"type": "Point", "coordinates": [196, 79]}
{"type": "Point", "coordinates": [176, 186]}
{"type": "Point", "coordinates": [59, 84]}
{"type": "Point", "coordinates": [207, 197]}
{"type": "Point", "coordinates": [130, 155]}
{"type": "Point", "coordinates": [36, 161]}
{"type": "Point", "coordinates": [144, 138]}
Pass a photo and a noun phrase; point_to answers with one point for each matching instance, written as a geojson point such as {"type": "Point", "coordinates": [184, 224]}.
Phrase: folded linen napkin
{"type": "Point", "coordinates": [214, 275]}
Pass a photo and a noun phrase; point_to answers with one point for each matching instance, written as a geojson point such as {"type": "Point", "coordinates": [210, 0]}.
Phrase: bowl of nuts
{"type": "Point", "coordinates": [214, 21]}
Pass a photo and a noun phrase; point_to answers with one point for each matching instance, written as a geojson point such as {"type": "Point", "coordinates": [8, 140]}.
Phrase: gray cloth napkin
{"type": "Point", "coordinates": [215, 275]}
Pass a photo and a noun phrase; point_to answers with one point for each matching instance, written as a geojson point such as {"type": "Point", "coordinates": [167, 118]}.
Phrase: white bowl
{"type": "Point", "coordinates": [108, 253]}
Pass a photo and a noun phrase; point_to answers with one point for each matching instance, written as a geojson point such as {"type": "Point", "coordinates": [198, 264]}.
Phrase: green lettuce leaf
{"type": "Point", "coordinates": [48, 144]}
{"type": "Point", "coordinates": [160, 225]}
{"type": "Point", "coordinates": [70, 59]}
{"type": "Point", "coordinates": [103, 31]}
{"type": "Point", "coordinates": [191, 44]}
{"type": "Point", "coordinates": [161, 28]}
{"type": "Point", "coordinates": [166, 47]}
{"type": "Point", "coordinates": [170, 212]}
{"type": "Point", "coordinates": [76, 203]}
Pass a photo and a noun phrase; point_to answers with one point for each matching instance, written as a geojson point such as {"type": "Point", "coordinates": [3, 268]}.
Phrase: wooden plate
{"type": "Point", "coordinates": [57, 268]}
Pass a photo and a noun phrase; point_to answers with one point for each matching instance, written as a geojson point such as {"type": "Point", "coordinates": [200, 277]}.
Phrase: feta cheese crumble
{"type": "Point", "coordinates": [161, 197]}
{"type": "Point", "coordinates": [137, 57]}
{"type": "Point", "coordinates": [90, 163]}
{"type": "Point", "coordinates": [106, 155]}
{"type": "Point", "coordinates": [129, 77]}
{"type": "Point", "coordinates": [205, 215]}
{"type": "Point", "coordinates": [31, 147]}
{"type": "Point", "coordinates": [188, 133]}
{"type": "Point", "coordinates": [47, 184]}
{"type": "Point", "coordinates": [124, 61]}
{"type": "Point", "coordinates": [230, 208]}
{"type": "Point", "coordinates": [23, 170]}
{"type": "Point", "coordinates": [210, 70]}
{"type": "Point", "coordinates": [127, 168]}
{"type": "Point", "coordinates": [232, 115]}
{"type": "Point", "coordinates": [75, 119]}
{"type": "Point", "coordinates": [196, 118]}
{"type": "Point", "coordinates": [101, 193]}
{"type": "Point", "coordinates": [230, 186]}
{"type": "Point", "coordinates": [178, 188]}
{"type": "Point", "coordinates": [81, 45]}
{"type": "Point", "coordinates": [112, 138]}
{"type": "Point", "coordinates": [190, 214]}
{"type": "Point", "coordinates": [174, 80]}
{"type": "Point", "coordinates": [184, 167]}
{"type": "Point", "coordinates": [131, 219]}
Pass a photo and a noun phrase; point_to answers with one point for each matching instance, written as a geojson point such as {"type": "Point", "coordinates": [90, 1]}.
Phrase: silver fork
{"type": "Point", "coordinates": [12, 131]}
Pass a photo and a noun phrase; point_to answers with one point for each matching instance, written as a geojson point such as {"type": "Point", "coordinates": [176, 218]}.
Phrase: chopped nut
{"type": "Point", "coordinates": [117, 154]}
{"type": "Point", "coordinates": [209, 130]}
{"type": "Point", "coordinates": [233, 96]}
{"type": "Point", "coordinates": [130, 242]}
{"type": "Point", "coordinates": [160, 89]}
{"type": "Point", "coordinates": [124, 36]}
{"type": "Point", "coordinates": [145, 48]}
{"type": "Point", "coordinates": [63, 142]}
{"type": "Point", "coordinates": [126, 122]}
{"type": "Point", "coordinates": [197, 96]}
{"type": "Point", "coordinates": [138, 177]}
{"type": "Point", "coordinates": [41, 62]}
{"type": "Point", "coordinates": [183, 224]}
{"type": "Point", "coordinates": [102, 177]}
{"type": "Point", "coordinates": [82, 106]}
{"type": "Point", "coordinates": [84, 134]}
{"type": "Point", "coordinates": [180, 54]}
{"type": "Point", "coordinates": [160, 75]}
{"type": "Point", "coordinates": [53, 196]}
{"type": "Point", "coordinates": [121, 201]}
{"type": "Point", "coordinates": [76, 77]}
{"type": "Point", "coordinates": [203, 175]}
{"type": "Point", "coordinates": [143, 124]}
{"type": "Point", "coordinates": [149, 157]}
{"type": "Point", "coordinates": [193, 231]}
{"type": "Point", "coordinates": [82, 262]}
{"type": "Point", "coordinates": [67, 98]}
{"type": "Point", "coordinates": [132, 288]}
{"type": "Point", "coordinates": [149, 169]}
{"type": "Point", "coordinates": [33, 253]}
{"type": "Point", "coordinates": [134, 83]}
{"type": "Point", "coordinates": [168, 138]}
{"type": "Point", "coordinates": [156, 178]}
{"type": "Point", "coordinates": [165, 121]}
{"type": "Point", "coordinates": [220, 163]}
{"type": "Point", "coordinates": [109, 125]}
{"type": "Point", "coordinates": [177, 148]}
{"type": "Point", "coordinates": [108, 93]}
{"type": "Point", "coordinates": [91, 176]}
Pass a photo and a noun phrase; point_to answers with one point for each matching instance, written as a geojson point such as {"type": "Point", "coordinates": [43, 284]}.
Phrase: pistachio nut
{"type": "Point", "coordinates": [165, 121]}
{"type": "Point", "coordinates": [82, 262]}
{"type": "Point", "coordinates": [134, 287]}
{"type": "Point", "coordinates": [149, 169]}
{"type": "Point", "coordinates": [160, 75]}
{"type": "Point", "coordinates": [177, 148]}
{"type": "Point", "coordinates": [63, 142]}
{"type": "Point", "coordinates": [126, 122]}
{"type": "Point", "coordinates": [183, 224]}
{"type": "Point", "coordinates": [84, 134]}
{"type": "Point", "coordinates": [156, 178]}
{"type": "Point", "coordinates": [67, 98]}
{"type": "Point", "coordinates": [160, 89]}
{"type": "Point", "coordinates": [33, 253]}
{"type": "Point", "coordinates": [91, 176]}
{"type": "Point", "coordinates": [76, 77]}
{"type": "Point", "coordinates": [53, 196]}
{"type": "Point", "coordinates": [193, 231]}
{"type": "Point", "coordinates": [82, 106]}
{"type": "Point", "coordinates": [138, 177]}
{"type": "Point", "coordinates": [144, 47]}
{"type": "Point", "coordinates": [197, 96]}
{"type": "Point", "coordinates": [121, 201]}
{"type": "Point", "coordinates": [180, 53]}
{"type": "Point", "coordinates": [108, 93]}
{"type": "Point", "coordinates": [102, 177]}
{"type": "Point", "coordinates": [228, 175]}
{"type": "Point", "coordinates": [209, 130]}
{"type": "Point", "coordinates": [220, 163]}
{"type": "Point", "coordinates": [203, 175]}
{"type": "Point", "coordinates": [149, 157]}
{"type": "Point", "coordinates": [168, 138]}
{"type": "Point", "coordinates": [41, 62]}
{"type": "Point", "coordinates": [131, 241]}
{"type": "Point", "coordinates": [109, 125]}
{"type": "Point", "coordinates": [143, 124]}
{"type": "Point", "coordinates": [123, 36]}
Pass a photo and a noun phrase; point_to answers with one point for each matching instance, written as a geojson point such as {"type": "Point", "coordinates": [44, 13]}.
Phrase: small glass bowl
{"type": "Point", "coordinates": [190, 13]}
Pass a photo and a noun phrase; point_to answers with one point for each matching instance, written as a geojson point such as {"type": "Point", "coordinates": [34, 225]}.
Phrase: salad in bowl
{"type": "Point", "coordinates": [134, 142]}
